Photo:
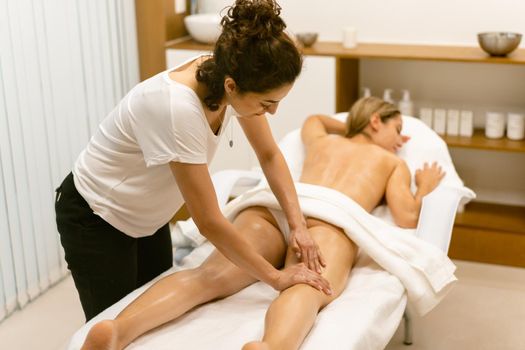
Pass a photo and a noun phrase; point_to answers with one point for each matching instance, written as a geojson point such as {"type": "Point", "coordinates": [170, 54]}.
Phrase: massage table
{"type": "Point", "coordinates": [367, 313]}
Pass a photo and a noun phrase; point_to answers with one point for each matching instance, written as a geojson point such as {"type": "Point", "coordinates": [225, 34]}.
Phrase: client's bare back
{"type": "Point", "coordinates": [361, 171]}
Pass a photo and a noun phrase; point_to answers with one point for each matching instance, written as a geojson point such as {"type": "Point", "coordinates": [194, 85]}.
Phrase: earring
{"type": "Point", "coordinates": [231, 134]}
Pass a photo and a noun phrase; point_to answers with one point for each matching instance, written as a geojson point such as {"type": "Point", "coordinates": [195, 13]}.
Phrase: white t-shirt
{"type": "Point", "coordinates": [124, 173]}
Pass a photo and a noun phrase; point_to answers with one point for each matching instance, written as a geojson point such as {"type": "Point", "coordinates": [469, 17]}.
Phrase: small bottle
{"type": "Point", "coordinates": [387, 96]}
{"type": "Point", "coordinates": [366, 92]}
{"type": "Point", "coordinates": [453, 122]}
{"type": "Point", "coordinates": [466, 123]}
{"type": "Point", "coordinates": [425, 114]}
{"type": "Point", "coordinates": [440, 121]}
{"type": "Point", "coordinates": [406, 107]}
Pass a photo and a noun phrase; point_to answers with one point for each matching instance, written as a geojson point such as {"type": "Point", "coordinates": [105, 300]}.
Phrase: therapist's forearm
{"type": "Point", "coordinates": [282, 185]}
{"type": "Point", "coordinates": [234, 246]}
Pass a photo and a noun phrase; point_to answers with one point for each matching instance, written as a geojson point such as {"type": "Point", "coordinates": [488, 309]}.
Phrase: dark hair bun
{"type": "Point", "coordinates": [253, 49]}
{"type": "Point", "coordinates": [254, 19]}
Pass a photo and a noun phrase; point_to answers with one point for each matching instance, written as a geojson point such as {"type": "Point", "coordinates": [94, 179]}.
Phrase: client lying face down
{"type": "Point", "coordinates": [357, 159]}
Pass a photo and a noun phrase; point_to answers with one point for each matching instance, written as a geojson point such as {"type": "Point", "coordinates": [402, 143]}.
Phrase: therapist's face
{"type": "Point", "coordinates": [251, 104]}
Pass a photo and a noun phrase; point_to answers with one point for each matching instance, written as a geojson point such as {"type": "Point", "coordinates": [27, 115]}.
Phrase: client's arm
{"type": "Point", "coordinates": [319, 125]}
{"type": "Point", "coordinates": [404, 205]}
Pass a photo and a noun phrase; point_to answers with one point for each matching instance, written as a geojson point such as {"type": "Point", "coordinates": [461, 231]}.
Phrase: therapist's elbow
{"type": "Point", "coordinates": [209, 226]}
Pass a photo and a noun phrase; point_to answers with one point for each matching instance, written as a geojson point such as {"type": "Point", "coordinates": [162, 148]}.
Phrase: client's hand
{"type": "Point", "coordinates": [306, 250]}
{"type": "Point", "coordinates": [428, 177]}
{"type": "Point", "coordinates": [299, 273]}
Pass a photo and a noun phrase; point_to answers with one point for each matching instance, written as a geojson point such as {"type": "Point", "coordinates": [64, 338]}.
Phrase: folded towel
{"type": "Point", "coordinates": [424, 270]}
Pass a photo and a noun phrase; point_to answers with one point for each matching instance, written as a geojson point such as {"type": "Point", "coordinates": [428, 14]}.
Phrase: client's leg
{"type": "Point", "coordinates": [175, 294]}
{"type": "Point", "coordinates": [293, 313]}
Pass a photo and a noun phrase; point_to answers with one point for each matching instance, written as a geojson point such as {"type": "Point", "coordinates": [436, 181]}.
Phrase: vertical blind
{"type": "Point", "coordinates": [64, 64]}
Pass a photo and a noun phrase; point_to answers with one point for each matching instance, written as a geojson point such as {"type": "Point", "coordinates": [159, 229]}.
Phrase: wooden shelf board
{"type": "Point", "coordinates": [389, 51]}
{"type": "Point", "coordinates": [479, 141]}
{"type": "Point", "coordinates": [413, 52]}
{"type": "Point", "coordinates": [492, 217]}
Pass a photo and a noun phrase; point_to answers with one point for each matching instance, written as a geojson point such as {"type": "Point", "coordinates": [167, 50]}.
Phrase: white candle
{"type": "Point", "coordinates": [515, 126]}
{"type": "Point", "coordinates": [494, 125]}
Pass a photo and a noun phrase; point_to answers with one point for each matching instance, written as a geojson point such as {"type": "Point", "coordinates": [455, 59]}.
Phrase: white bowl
{"type": "Point", "coordinates": [204, 27]}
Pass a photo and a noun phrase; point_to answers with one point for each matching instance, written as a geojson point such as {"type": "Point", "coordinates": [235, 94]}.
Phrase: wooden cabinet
{"type": "Point", "coordinates": [484, 232]}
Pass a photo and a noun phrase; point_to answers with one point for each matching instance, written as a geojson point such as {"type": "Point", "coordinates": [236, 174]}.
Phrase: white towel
{"type": "Point", "coordinates": [424, 270]}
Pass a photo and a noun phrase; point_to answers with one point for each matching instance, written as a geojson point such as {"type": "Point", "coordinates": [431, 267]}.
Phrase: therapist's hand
{"type": "Point", "coordinates": [299, 273]}
{"type": "Point", "coordinates": [306, 250]}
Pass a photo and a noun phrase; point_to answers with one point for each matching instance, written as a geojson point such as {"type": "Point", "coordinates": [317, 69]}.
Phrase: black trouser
{"type": "Point", "coordinates": [106, 264]}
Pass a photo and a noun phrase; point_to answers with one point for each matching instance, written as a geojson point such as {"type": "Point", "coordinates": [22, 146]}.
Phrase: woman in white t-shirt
{"type": "Point", "coordinates": [150, 155]}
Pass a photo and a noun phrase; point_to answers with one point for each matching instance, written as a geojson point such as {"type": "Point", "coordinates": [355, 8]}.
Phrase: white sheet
{"type": "Point", "coordinates": [368, 312]}
{"type": "Point", "coordinates": [364, 317]}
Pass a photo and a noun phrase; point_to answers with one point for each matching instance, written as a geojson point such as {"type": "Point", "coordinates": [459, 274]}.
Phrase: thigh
{"type": "Point", "coordinates": [258, 226]}
{"type": "Point", "coordinates": [260, 229]}
{"type": "Point", "coordinates": [337, 249]}
{"type": "Point", "coordinates": [155, 255]}
{"type": "Point", "coordinates": [102, 259]}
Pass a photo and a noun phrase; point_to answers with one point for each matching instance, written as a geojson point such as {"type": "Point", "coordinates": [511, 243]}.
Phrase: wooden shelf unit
{"type": "Point", "coordinates": [489, 216]}
{"type": "Point", "coordinates": [490, 233]}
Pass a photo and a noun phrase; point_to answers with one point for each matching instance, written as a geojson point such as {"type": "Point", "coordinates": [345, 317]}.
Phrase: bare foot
{"type": "Point", "coordinates": [256, 345]}
{"type": "Point", "coordinates": [102, 336]}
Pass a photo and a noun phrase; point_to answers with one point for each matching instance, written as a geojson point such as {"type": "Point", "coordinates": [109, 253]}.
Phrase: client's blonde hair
{"type": "Point", "coordinates": [363, 109]}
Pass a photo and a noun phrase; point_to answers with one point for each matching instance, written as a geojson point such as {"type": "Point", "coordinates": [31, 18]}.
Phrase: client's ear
{"type": "Point", "coordinates": [375, 122]}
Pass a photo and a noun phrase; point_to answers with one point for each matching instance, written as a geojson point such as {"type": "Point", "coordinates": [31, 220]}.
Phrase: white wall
{"type": "Point", "coordinates": [399, 21]}
{"type": "Point", "coordinates": [406, 21]}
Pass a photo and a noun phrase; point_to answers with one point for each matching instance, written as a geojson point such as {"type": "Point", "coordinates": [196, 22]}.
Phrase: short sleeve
{"type": "Point", "coordinates": [169, 126]}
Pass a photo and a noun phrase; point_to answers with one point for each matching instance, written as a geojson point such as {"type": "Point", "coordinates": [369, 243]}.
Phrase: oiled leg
{"type": "Point", "coordinates": [292, 315]}
{"type": "Point", "coordinates": [175, 294]}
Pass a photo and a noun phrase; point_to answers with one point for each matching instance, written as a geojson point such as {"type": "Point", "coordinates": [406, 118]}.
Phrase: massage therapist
{"type": "Point", "coordinates": [150, 155]}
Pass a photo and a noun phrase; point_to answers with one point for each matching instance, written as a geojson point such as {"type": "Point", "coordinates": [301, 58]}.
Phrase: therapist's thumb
{"type": "Point", "coordinates": [295, 248]}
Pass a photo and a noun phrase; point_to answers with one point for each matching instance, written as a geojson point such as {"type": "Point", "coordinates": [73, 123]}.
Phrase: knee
{"type": "Point", "coordinates": [301, 292]}
{"type": "Point", "coordinates": [222, 280]}
{"type": "Point", "coordinates": [213, 274]}
{"type": "Point", "coordinates": [315, 296]}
